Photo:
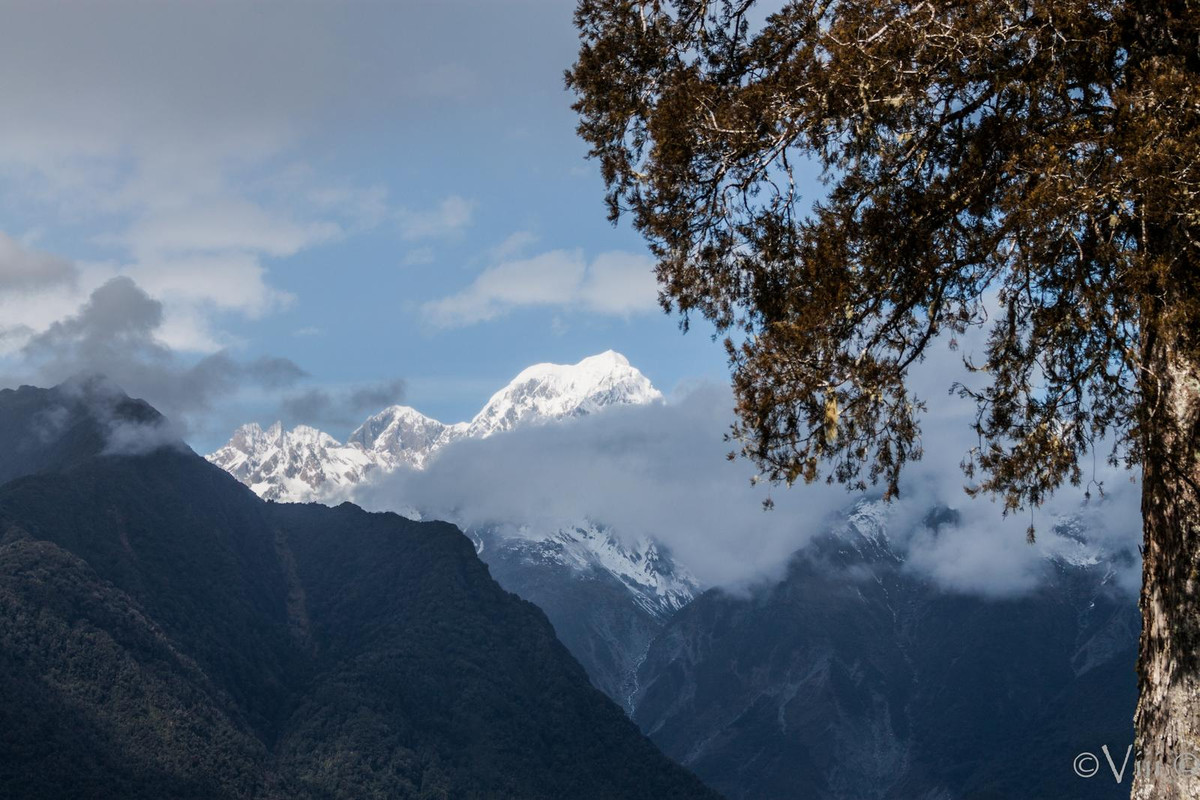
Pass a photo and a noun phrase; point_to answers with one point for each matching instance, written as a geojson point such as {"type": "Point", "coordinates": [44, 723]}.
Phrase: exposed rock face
{"type": "Point", "coordinates": [607, 600]}
{"type": "Point", "coordinates": [854, 678]}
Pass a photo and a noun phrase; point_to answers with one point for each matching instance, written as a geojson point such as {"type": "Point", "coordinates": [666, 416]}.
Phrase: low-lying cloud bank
{"type": "Point", "coordinates": [660, 470]}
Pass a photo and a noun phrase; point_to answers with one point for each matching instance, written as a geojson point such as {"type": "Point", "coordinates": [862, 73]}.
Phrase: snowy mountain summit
{"type": "Point", "coordinates": [402, 436]}
{"type": "Point", "coordinates": [547, 392]}
{"type": "Point", "coordinates": [297, 465]}
{"type": "Point", "coordinates": [305, 464]}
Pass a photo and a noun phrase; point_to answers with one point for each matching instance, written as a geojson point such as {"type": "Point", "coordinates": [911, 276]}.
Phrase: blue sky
{"type": "Point", "coordinates": [241, 210]}
{"type": "Point", "coordinates": [371, 190]}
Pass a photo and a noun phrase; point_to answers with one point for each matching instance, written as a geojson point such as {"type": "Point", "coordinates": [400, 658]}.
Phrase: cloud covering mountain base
{"type": "Point", "coordinates": [660, 471]}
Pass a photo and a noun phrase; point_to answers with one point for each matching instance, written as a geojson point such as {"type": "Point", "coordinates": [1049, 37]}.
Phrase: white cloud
{"type": "Point", "coordinates": [234, 281]}
{"type": "Point", "coordinates": [612, 283]}
{"type": "Point", "coordinates": [191, 131]}
{"type": "Point", "coordinates": [660, 471]}
{"type": "Point", "coordinates": [37, 288]}
{"type": "Point", "coordinates": [448, 218]}
{"type": "Point", "coordinates": [195, 242]}
{"type": "Point", "coordinates": [187, 329]}
{"type": "Point", "coordinates": [184, 161]}
{"type": "Point", "coordinates": [655, 470]}
{"type": "Point", "coordinates": [551, 278]}
{"type": "Point", "coordinates": [184, 232]}
{"type": "Point", "coordinates": [620, 283]}
{"type": "Point", "coordinates": [362, 208]}
{"type": "Point", "coordinates": [234, 225]}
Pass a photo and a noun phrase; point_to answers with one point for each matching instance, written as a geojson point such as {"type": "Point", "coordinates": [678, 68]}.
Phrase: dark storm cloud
{"type": "Point", "coordinates": [335, 409]}
{"type": "Point", "coordinates": [128, 432]}
{"type": "Point", "coordinates": [377, 396]}
{"type": "Point", "coordinates": [113, 335]}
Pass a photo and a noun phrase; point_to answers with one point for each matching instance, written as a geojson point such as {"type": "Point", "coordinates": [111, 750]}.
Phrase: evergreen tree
{"type": "Point", "coordinates": [1032, 166]}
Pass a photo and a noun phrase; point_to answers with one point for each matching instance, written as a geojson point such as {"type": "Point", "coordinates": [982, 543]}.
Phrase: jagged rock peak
{"type": "Point", "coordinates": [401, 435]}
{"type": "Point", "coordinates": [301, 464]}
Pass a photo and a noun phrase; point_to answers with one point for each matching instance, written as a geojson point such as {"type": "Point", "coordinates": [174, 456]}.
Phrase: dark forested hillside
{"type": "Point", "coordinates": [164, 633]}
{"type": "Point", "coordinates": [49, 429]}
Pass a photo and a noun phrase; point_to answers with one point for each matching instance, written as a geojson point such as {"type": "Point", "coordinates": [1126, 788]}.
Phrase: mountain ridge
{"type": "Point", "coordinates": [306, 464]}
{"type": "Point", "coordinates": [853, 676]}
{"type": "Point", "coordinates": [165, 632]}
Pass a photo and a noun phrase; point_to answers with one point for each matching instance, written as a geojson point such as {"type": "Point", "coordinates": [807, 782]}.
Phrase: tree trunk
{"type": "Point", "coordinates": [1168, 714]}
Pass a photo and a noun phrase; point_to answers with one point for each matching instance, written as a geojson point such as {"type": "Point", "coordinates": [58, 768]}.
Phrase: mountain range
{"type": "Point", "coordinates": [606, 594]}
{"type": "Point", "coordinates": [166, 633]}
{"type": "Point", "coordinates": [851, 676]}
{"type": "Point", "coordinates": [305, 464]}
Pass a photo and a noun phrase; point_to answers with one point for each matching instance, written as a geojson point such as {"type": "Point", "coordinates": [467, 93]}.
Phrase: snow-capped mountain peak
{"type": "Point", "coordinates": [299, 464]}
{"type": "Point", "coordinates": [401, 435]}
{"type": "Point", "coordinates": [547, 392]}
{"type": "Point", "coordinates": [306, 464]}
{"type": "Point", "coordinates": [659, 585]}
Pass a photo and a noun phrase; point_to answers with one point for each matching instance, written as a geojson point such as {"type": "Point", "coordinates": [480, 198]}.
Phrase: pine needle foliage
{"type": "Point", "coordinates": [1031, 167]}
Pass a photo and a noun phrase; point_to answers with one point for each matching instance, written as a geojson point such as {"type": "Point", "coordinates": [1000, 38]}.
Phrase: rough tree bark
{"type": "Point", "coordinates": [1168, 714]}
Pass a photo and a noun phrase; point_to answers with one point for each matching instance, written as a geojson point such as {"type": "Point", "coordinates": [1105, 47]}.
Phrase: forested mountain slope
{"type": "Point", "coordinates": [166, 633]}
